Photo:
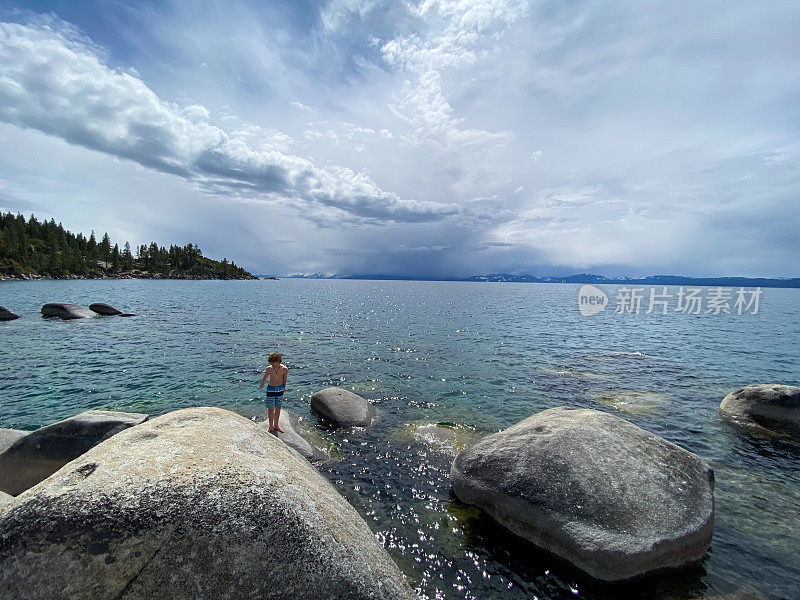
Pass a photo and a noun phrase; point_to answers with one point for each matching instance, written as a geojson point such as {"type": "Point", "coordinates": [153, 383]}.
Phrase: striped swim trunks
{"type": "Point", "coordinates": [274, 395]}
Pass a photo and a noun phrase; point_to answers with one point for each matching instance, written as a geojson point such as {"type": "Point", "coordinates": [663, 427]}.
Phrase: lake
{"type": "Point", "coordinates": [480, 355]}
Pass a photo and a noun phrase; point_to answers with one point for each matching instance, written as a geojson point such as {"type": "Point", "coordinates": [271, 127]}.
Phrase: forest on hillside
{"type": "Point", "coordinates": [30, 248]}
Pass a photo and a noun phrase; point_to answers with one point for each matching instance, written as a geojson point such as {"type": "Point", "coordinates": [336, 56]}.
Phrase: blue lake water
{"type": "Point", "coordinates": [481, 355]}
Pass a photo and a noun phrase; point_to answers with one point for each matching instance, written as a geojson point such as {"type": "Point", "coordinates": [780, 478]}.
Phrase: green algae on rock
{"type": "Point", "coordinates": [633, 402]}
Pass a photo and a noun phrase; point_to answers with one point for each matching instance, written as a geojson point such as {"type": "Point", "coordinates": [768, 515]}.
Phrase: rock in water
{"type": "Point", "coordinates": [197, 503]}
{"type": "Point", "coordinates": [293, 439]}
{"type": "Point", "coordinates": [766, 408]}
{"type": "Point", "coordinates": [104, 309]}
{"type": "Point", "coordinates": [65, 311]}
{"type": "Point", "coordinates": [444, 436]}
{"type": "Point", "coordinates": [342, 407]}
{"type": "Point", "coordinates": [40, 453]}
{"type": "Point", "coordinates": [612, 499]}
{"type": "Point", "coordinates": [7, 315]}
{"type": "Point", "coordinates": [9, 436]}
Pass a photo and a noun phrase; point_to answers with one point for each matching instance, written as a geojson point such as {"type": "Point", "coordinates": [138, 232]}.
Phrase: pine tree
{"type": "Point", "coordinates": [127, 258]}
{"type": "Point", "coordinates": [115, 259]}
{"type": "Point", "coordinates": [46, 248]}
{"type": "Point", "coordinates": [92, 249]}
{"type": "Point", "coordinates": [105, 249]}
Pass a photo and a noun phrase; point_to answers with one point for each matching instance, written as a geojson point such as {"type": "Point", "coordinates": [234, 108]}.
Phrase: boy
{"type": "Point", "coordinates": [277, 372]}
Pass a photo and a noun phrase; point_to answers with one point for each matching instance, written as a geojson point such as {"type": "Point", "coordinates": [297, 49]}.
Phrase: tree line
{"type": "Point", "coordinates": [29, 247]}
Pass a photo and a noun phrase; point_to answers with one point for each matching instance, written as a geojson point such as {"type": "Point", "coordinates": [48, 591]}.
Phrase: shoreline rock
{"type": "Point", "coordinates": [135, 274]}
{"type": "Point", "coordinates": [767, 409]}
{"type": "Point", "coordinates": [32, 457]}
{"type": "Point", "coordinates": [343, 408]}
{"type": "Point", "coordinates": [197, 503]}
{"type": "Point", "coordinates": [614, 500]}
{"type": "Point", "coordinates": [292, 438]}
{"type": "Point", "coordinates": [101, 308]}
{"type": "Point", "coordinates": [7, 315]}
{"type": "Point", "coordinates": [65, 311]}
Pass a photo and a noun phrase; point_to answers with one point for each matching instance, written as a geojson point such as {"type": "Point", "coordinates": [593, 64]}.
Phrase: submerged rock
{"type": "Point", "coordinates": [612, 499]}
{"type": "Point", "coordinates": [7, 315]}
{"type": "Point", "coordinates": [104, 309]}
{"type": "Point", "coordinates": [197, 503]}
{"type": "Point", "coordinates": [342, 407]}
{"type": "Point", "coordinates": [38, 454]}
{"type": "Point", "coordinates": [745, 593]}
{"type": "Point", "coordinates": [573, 373]}
{"type": "Point", "coordinates": [633, 402]}
{"type": "Point", "coordinates": [65, 311]}
{"type": "Point", "coordinates": [445, 437]}
{"type": "Point", "coordinates": [764, 408]}
{"type": "Point", "coordinates": [290, 424]}
{"type": "Point", "coordinates": [9, 436]}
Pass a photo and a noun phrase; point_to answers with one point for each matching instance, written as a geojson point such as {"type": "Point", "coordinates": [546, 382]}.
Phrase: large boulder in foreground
{"type": "Point", "coordinates": [101, 308]}
{"type": "Point", "coordinates": [612, 499]}
{"type": "Point", "coordinates": [66, 311]}
{"type": "Point", "coordinates": [39, 454]}
{"type": "Point", "coordinates": [765, 408]}
{"type": "Point", "coordinates": [197, 503]}
{"type": "Point", "coordinates": [7, 315]}
{"type": "Point", "coordinates": [292, 438]}
{"type": "Point", "coordinates": [342, 407]}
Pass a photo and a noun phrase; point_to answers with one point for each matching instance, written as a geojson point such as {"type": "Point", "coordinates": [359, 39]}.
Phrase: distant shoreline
{"type": "Point", "coordinates": [654, 280]}
{"type": "Point", "coordinates": [667, 280]}
{"type": "Point", "coordinates": [163, 276]}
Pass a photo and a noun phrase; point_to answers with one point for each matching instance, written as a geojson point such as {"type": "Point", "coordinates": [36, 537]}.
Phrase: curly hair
{"type": "Point", "coordinates": [275, 357]}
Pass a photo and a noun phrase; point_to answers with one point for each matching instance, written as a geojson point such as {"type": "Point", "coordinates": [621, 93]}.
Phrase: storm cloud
{"type": "Point", "coordinates": [431, 138]}
{"type": "Point", "coordinates": [54, 81]}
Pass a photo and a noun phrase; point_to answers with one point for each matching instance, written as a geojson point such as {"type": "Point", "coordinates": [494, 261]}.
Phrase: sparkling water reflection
{"type": "Point", "coordinates": [479, 356]}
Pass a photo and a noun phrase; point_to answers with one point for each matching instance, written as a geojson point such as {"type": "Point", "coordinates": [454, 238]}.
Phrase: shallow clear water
{"type": "Point", "coordinates": [480, 355]}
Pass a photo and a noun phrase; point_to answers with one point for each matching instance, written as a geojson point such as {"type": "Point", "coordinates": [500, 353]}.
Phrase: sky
{"type": "Point", "coordinates": [431, 138]}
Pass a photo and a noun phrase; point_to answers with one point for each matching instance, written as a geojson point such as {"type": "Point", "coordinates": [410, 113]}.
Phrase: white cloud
{"type": "Point", "coordinates": [346, 133]}
{"type": "Point", "coordinates": [455, 37]}
{"type": "Point", "coordinates": [546, 136]}
{"type": "Point", "coordinates": [55, 82]}
{"type": "Point", "coordinates": [339, 13]}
